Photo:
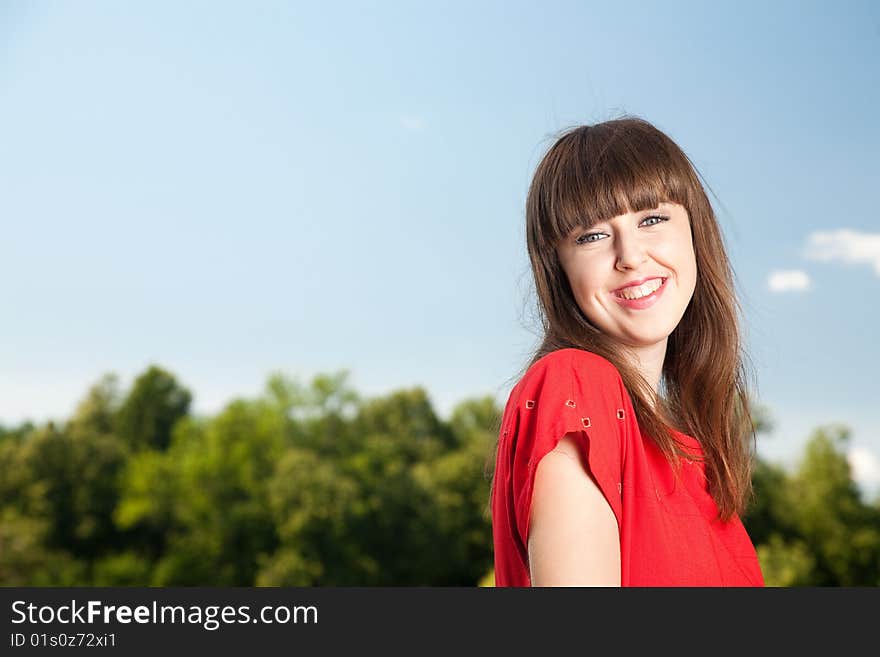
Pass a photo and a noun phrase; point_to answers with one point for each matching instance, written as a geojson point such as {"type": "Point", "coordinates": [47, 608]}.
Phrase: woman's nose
{"type": "Point", "coordinates": [630, 252]}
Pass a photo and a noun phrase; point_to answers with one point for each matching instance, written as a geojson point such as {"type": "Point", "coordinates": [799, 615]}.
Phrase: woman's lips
{"type": "Point", "coordinates": [644, 302]}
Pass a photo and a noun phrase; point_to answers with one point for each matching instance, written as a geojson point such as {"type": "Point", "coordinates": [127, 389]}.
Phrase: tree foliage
{"type": "Point", "coordinates": [148, 414]}
{"type": "Point", "coordinates": [309, 484]}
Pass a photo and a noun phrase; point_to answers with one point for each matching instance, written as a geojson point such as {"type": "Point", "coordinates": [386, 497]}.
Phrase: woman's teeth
{"type": "Point", "coordinates": [642, 290]}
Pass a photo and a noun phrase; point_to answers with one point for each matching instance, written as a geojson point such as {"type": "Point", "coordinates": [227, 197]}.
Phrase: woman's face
{"type": "Point", "coordinates": [650, 244]}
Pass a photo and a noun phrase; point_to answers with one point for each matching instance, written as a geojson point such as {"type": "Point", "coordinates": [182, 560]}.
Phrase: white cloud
{"type": "Point", "coordinates": [865, 466]}
{"type": "Point", "coordinates": [846, 246]}
{"type": "Point", "coordinates": [787, 281]}
{"type": "Point", "coordinates": [412, 123]}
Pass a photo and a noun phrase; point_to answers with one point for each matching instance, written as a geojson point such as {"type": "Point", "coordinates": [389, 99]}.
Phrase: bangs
{"type": "Point", "coordinates": [595, 173]}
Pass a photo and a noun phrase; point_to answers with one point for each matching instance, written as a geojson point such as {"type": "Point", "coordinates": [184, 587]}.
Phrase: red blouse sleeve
{"type": "Point", "coordinates": [569, 390]}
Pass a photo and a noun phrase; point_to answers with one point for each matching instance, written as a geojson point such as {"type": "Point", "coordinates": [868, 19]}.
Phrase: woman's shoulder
{"type": "Point", "coordinates": [569, 372]}
{"type": "Point", "coordinates": [572, 360]}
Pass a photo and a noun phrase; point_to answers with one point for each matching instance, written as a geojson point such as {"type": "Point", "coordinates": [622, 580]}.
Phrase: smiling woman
{"type": "Point", "coordinates": [635, 259]}
{"type": "Point", "coordinates": [623, 455]}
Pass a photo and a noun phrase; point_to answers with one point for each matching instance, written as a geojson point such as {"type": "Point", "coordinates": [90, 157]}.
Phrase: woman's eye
{"type": "Point", "coordinates": [586, 238]}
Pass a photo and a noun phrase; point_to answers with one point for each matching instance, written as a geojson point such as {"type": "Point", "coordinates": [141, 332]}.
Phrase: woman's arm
{"type": "Point", "coordinates": [573, 535]}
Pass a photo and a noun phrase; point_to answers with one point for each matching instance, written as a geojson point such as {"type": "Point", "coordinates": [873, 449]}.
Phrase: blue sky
{"type": "Point", "coordinates": [228, 189]}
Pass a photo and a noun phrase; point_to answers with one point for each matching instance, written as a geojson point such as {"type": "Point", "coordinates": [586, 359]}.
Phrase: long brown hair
{"type": "Point", "coordinates": [593, 173]}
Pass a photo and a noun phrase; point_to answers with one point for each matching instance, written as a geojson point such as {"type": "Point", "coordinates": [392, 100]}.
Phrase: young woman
{"type": "Point", "coordinates": [623, 454]}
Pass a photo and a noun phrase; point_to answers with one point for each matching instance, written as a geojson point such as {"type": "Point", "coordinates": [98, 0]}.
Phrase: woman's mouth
{"type": "Point", "coordinates": [646, 294]}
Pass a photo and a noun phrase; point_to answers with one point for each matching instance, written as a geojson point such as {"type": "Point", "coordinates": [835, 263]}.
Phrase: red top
{"type": "Point", "coordinates": [669, 535]}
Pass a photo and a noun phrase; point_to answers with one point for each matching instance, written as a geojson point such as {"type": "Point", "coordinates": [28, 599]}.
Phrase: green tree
{"type": "Point", "coordinates": [25, 559]}
{"type": "Point", "coordinates": [317, 416]}
{"type": "Point", "coordinates": [16, 433]}
{"type": "Point", "coordinates": [207, 496]}
{"type": "Point", "coordinates": [770, 512]}
{"type": "Point", "coordinates": [151, 409]}
{"type": "Point", "coordinates": [97, 412]}
{"type": "Point", "coordinates": [786, 563]}
{"type": "Point", "coordinates": [837, 527]}
{"type": "Point", "coordinates": [316, 507]}
{"type": "Point", "coordinates": [67, 485]}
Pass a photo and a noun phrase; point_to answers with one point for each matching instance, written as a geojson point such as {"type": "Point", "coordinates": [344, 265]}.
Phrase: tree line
{"type": "Point", "coordinates": [314, 485]}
